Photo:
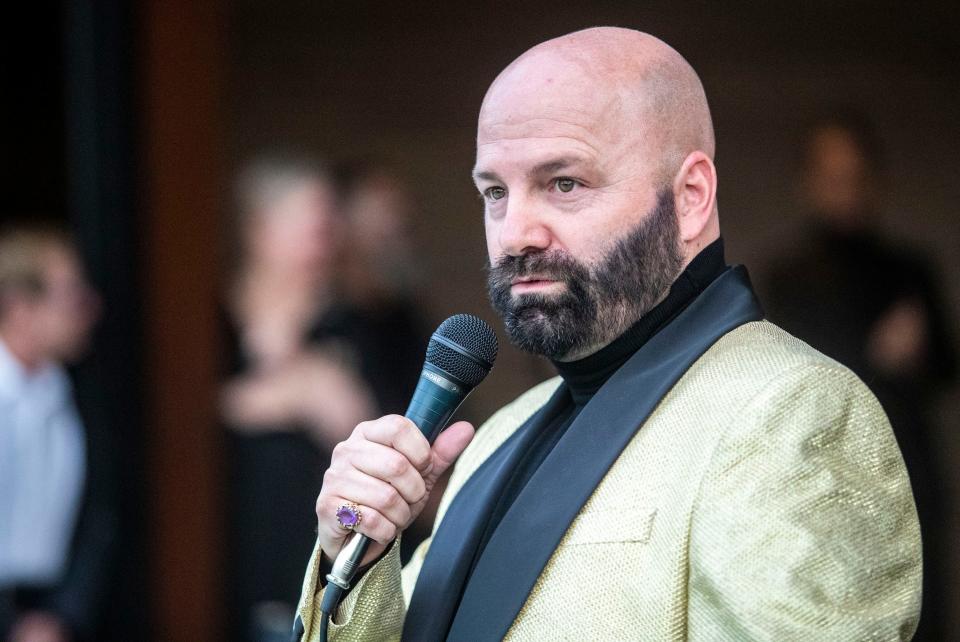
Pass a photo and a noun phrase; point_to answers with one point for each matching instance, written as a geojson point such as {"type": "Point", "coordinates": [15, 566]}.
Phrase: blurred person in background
{"type": "Point", "coordinates": [381, 270]}
{"type": "Point", "coordinates": [303, 369]}
{"type": "Point", "coordinates": [56, 527]}
{"type": "Point", "coordinates": [381, 274]}
{"type": "Point", "coordinates": [875, 307]}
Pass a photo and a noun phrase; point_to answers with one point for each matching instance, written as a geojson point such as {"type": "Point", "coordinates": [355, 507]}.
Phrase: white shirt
{"type": "Point", "coordinates": [42, 469]}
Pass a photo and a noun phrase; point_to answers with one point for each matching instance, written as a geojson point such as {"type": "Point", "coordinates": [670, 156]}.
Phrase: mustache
{"type": "Point", "coordinates": [555, 265]}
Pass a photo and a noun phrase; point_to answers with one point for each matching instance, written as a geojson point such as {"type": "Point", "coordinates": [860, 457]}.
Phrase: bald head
{"type": "Point", "coordinates": [595, 161]}
{"type": "Point", "coordinates": [630, 87]}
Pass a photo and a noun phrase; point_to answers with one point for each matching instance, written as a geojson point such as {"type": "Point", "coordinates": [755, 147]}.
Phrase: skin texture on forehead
{"type": "Point", "coordinates": [616, 90]}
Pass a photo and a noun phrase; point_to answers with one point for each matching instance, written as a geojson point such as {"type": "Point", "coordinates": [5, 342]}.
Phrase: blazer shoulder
{"type": "Point", "coordinates": [779, 388]}
{"type": "Point", "coordinates": [767, 351]}
{"type": "Point", "coordinates": [757, 361]}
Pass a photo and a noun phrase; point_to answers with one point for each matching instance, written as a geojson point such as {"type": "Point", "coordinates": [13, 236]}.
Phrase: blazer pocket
{"type": "Point", "coordinates": [634, 524]}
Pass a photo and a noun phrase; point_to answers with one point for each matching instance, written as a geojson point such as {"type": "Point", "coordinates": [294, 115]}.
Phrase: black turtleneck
{"type": "Point", "coordinates": [583, 378]}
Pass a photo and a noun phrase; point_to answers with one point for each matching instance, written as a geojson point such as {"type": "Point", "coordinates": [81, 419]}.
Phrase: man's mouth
{"type": "Point", "coordinates": [527, 284]}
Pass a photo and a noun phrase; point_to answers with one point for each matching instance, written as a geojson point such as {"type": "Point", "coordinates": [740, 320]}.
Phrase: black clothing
{"type": "Point", "coordinates": [274, 476]}
{"type": "Point", "coordinates": [583, 378]}
{"type": "Point", "coordinates": [833, 292]}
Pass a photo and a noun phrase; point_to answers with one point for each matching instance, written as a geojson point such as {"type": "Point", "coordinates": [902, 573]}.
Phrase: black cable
{"type": "Point", "coordinates": [331, 598]}
{"type": "Point", "coordinates": [324, 625]}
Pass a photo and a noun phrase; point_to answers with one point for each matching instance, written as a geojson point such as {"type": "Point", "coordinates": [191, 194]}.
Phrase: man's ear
{"type": "Point", "coordinates": [695, 195]}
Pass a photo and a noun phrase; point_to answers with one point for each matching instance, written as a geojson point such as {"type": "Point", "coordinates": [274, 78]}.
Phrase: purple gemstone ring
{"type": "Point", "coordinates": [349, 516]}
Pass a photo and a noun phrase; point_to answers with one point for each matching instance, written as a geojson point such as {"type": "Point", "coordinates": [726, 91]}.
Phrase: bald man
{"type": "Point", "coordinates": [693, 473]}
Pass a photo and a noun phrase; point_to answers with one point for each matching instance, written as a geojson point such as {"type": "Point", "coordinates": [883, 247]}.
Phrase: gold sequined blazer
{"type": "Point", "coordinates": [764, 498]}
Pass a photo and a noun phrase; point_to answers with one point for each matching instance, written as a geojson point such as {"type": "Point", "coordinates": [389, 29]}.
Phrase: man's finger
{"type": "Point", "coordinates": [448, 447]}
{"type": "Point", "coordinates": [379, 495]}
{"type": "Point", "coordinates": [391, 466]}
{"type": "Point", "coordinates": [372, 524]}
{"type": "Point", "coordinates": [402, 435]}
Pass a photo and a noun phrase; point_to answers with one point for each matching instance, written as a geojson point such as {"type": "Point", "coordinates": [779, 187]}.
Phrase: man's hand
{"type": "Point", "coordinates": [388, 468]}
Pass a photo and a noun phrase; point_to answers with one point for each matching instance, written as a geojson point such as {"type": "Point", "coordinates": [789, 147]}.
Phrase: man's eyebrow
{"type": "Point", "coordinates": [546, 167]}
{"type": "Point", "coordinates": [555, 165]}
{"type": "Point", "coordinates": [485, 176]}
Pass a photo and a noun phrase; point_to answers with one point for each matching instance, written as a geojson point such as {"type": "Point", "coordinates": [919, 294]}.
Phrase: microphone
{"type": "Point", "coordinates": [460, 355]}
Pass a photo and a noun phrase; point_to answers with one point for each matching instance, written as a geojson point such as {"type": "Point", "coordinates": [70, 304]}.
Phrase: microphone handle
{"type": "Point", "coordinates": [434, 401]}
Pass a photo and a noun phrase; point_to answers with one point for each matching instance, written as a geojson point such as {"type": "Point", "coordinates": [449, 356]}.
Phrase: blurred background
{"type": "Point", "coordinates": [275, 197]}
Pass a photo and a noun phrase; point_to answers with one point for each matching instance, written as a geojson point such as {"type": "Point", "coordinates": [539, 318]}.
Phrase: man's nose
{"type": "Point", "coordinates": [523, 229]}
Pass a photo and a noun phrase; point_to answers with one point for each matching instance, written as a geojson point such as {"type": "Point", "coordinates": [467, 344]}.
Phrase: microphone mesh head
{"type": "Point", "coordinates": [475, 338]}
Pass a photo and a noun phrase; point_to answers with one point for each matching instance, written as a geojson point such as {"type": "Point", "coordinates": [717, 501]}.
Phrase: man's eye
{"type": "Point", "coordinates": [495, 193]}
{"type": "Point", "coordinates": [565, 184]}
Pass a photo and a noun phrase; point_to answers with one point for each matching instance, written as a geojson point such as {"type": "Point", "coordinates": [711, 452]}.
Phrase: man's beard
{"type": "Point", "coordinates": [600, 301]}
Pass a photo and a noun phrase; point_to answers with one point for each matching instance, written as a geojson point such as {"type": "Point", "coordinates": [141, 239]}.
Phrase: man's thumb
{"type": "Point", "coordinates": [449, 445]}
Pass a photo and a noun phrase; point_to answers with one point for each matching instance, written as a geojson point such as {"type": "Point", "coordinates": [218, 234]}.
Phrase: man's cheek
{"type": "Point", "coordinates": [491, 230]}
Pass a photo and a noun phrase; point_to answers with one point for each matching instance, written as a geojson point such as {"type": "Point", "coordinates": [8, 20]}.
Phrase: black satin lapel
{"type": "Point", "coordinates": [530, 531]}
{"type": "Point", "coordinates": [440, 583]}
